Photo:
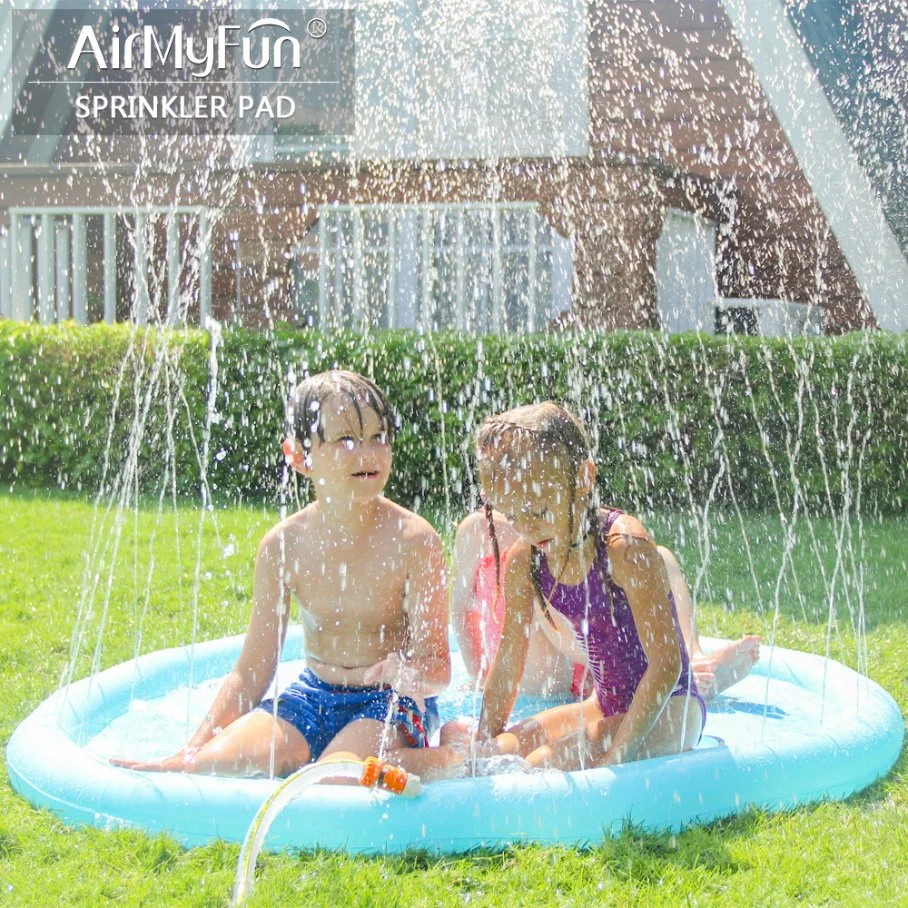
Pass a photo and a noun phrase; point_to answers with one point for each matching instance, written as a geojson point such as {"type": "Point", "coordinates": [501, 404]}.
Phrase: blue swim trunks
{"type": "Point", "coordinates": [319, 710]}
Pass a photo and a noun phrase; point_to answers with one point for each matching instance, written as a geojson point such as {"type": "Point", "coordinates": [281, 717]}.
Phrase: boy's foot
{"type": "Point", "coordinates": [720, 669]}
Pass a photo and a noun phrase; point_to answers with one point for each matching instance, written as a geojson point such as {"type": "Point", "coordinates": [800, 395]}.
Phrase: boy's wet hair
{"type": "Point", "coordinates": [310, 395]}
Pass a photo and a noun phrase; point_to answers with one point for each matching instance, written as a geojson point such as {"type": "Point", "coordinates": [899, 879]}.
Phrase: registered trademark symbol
{"type": "Point", "coordinates": [317, 28]}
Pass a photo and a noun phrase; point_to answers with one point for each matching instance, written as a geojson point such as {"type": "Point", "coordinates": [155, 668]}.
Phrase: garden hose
{"type": "Point", "coordinates": [371, 773]}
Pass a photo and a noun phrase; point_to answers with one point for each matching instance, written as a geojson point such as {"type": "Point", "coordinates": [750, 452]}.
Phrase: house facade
{"type": "Point", "coordinates": [605, 165]}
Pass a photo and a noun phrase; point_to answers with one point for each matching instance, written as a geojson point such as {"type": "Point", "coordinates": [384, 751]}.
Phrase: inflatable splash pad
{"type": "Point", "coordinates": [799, 729]}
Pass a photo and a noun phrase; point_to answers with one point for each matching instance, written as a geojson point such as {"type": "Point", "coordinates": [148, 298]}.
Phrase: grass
{"type": "Point", "coordinates": [852, 853]}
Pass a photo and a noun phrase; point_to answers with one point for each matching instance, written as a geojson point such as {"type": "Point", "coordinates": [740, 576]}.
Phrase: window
{"type": "Point", "coordinates": [470, 267]}
{"type": "Point", "coordinates": [148, 265]}
{"type": "Point", "coordinates": [767, 317]}
{"type": "Point", "coordinates": [689, 298]}
{"type": "Point", "coordinates": [685, 272]}
{"type": "Point", "coordinates": [736, 320]}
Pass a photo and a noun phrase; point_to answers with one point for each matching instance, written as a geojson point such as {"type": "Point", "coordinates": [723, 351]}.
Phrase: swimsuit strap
{"type": "Point", "coordinates": [610, 518]}
{"type": "Point", "coordinates": [602, 543]}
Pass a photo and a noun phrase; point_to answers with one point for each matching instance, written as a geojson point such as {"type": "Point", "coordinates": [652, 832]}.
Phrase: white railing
{"type": "Point", "coordinates": [469, 266]}
{"type": "Point", "coordinates": [45, 264]}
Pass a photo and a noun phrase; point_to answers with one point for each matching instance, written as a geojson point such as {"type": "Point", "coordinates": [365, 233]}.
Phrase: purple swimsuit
{"type": "Point", "coordinates": [610, 637]}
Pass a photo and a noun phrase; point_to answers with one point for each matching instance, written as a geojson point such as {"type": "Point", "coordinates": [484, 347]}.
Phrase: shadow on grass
{"type": "Point", "coordinates": [633, 854]}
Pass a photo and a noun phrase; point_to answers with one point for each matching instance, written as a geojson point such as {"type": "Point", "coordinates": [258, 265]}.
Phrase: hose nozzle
{"type": "Point", "coordinates": [392, 778]}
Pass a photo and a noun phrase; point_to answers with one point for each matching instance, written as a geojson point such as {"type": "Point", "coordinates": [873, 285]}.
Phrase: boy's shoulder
{"type": "Point", "coordinates": [406, 525]}
{"type": "Point", "coordinates": [395, 526]}
{"type": "Point", "coordinates": [285, 530]}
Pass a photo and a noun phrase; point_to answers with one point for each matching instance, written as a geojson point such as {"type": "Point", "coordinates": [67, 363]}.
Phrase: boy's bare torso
{"type": "Point", "coordinates": [351, 586]}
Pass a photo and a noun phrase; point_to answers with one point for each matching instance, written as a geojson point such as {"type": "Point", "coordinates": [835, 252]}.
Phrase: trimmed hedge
{"type": "Point", "coordinates": [816, 423]}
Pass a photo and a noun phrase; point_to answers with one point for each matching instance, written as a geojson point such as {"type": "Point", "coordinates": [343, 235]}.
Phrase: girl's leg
{"type": "Point", "coordinates": [581, 748]}
{"type": "Point", "coordinates": [677, 729]}
{"type": "Point", "coordinates": [548, 726]}
{"type": "Point", "coordinates": [716, 671]}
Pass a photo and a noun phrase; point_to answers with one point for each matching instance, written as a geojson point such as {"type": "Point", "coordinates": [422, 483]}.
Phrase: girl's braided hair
{"type": "Point", "coordinates": [508, 441]}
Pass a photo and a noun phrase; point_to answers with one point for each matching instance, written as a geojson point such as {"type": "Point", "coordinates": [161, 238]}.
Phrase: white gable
{"type": "Point", "coordinates": [843, 190]}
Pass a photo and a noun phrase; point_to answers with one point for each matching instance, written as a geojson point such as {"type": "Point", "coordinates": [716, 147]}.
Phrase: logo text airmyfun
{"type": "Point", "coordinates": [144, 49]}
{"type": "Point", "coordinates": [185, 71]}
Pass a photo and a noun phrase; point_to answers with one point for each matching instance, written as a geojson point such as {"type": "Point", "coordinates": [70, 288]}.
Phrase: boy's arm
{"type": "Point", "coordinates": [425, 670]}
{"type": "Point", "coordinates": [507, 669]}
{"type": "Point", "coordinates": [244, 687]}
{"type": "Point", "coordinates": [465, 617]}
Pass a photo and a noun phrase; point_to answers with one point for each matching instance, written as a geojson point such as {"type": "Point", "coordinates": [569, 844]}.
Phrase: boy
{"type": "Point", "coordinates": [371, 581]}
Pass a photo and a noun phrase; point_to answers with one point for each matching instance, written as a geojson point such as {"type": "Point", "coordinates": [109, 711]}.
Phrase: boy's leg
{"type": "Point", "coordinates": [371, 738]}
{"type": "Point", "coordinates": [429, 763]}
{"type": "Point", "coordinates": [245, 747]}
{"type": "Point", "coordinates": [363, 738]}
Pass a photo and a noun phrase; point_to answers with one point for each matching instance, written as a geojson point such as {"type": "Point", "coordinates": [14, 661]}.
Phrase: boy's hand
{"type": "Point", "coordinates": [182, 761]}
{"type": "Point", "coordinates": [396, 671]}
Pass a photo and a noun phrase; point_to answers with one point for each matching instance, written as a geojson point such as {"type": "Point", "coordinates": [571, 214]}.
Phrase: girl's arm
{"type": "Point", "coordinates": [638, 568]}
{"type": "Point", "coordinates": [507, 669]}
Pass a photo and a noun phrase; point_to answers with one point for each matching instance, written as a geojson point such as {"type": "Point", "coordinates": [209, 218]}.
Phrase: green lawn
{"type": "Point", "coordinates": [844, 854]}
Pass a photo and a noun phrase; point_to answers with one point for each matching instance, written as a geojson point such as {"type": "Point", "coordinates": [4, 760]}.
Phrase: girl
{"type": "Point", "coordinates": [555, 663]}
{"type": "Point", "coordinates": [601, 570]}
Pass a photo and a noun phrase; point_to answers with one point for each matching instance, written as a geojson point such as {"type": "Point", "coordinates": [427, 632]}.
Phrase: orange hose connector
{"type": "Point", "coordinates": [380, 775]}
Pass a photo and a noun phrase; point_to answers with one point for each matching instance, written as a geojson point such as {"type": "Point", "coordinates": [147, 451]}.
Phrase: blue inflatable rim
{"type": "Point", "coordinates": [857, 742]}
